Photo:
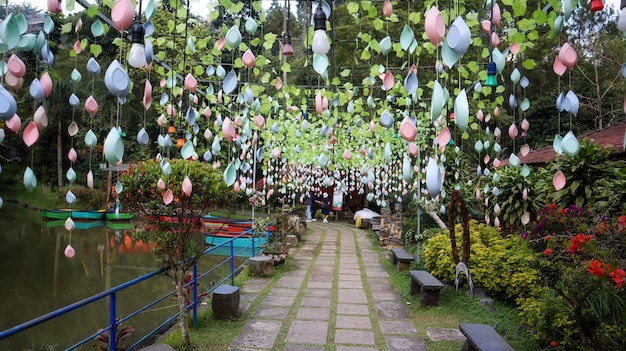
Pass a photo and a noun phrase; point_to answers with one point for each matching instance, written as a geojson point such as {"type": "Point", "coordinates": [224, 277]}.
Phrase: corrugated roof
{"type": "Point", "coordinates": [609, 137]}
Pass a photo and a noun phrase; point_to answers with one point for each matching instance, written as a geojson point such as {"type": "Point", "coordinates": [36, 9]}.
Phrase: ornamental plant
{"type": "Point", "coordinates": [499, 264]}
{"type": "Point", "coordinates": [580, 259]}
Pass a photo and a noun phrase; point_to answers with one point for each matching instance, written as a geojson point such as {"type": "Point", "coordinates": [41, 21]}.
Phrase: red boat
{"type": "Point", "coordinates": [227, 226]}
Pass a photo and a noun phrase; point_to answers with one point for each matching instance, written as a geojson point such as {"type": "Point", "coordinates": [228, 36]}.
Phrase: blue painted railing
{"type": "Point", "coordinates": [111, 294]}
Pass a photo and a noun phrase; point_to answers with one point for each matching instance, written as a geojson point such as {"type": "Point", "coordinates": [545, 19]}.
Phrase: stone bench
{"type": "Point", "coordinates": [428, 287]}
{"type": "Point", "coordinates": [262, 265]}
{"type": "Point", "coordinates": [481, 337]}
{"type": "Point", "coordinates": [401, 258]}
{"type": "Point", "coordinates": [225, 302]}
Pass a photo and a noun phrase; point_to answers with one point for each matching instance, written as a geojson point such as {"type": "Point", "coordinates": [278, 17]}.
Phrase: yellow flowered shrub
{"type": "Point", "coordinates": [500, 265]}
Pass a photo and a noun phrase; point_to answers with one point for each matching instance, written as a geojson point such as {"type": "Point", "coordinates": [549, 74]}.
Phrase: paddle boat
{"type": "Point", "coordinates": [120, 216]}
{"type": "Point", "coordinates": [64, 213]}
{"type": "Point", "coordinates": [77, 224]}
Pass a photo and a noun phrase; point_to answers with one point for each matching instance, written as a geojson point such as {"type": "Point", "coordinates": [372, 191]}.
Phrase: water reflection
{"type": "Point", "coordinates": [36, 278]}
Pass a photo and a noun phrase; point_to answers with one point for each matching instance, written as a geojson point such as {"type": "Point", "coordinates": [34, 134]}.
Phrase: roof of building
{"type": "Point", "coordinates": [610, 137]}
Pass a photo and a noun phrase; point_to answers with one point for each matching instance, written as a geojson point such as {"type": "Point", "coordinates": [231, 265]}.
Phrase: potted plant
{"type": "Point", "coordinates": [278, 227]}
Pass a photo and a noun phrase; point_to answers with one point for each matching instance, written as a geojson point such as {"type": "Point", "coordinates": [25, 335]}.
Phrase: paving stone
{"type": "Point", "coordinates": [321, 277]}
{"type": "Point", "coordinates": [391, 310]}
{"type": "Point", "coordinates": [397, 327]}
{"type": "Point", "coordinates": [246, 289]}
{"type": "Point", "coordinates": [350, 271]}
{"type": "Point", "coordinates": [400, 344]}
{"type": "Point", "coordinates": [291, 347]}
{"type": "Point", "coordinates": [272, 312]}
{"type": "Point", "coordinates": [350, 285]}
{"type": "Point", "coordinates": [379, 280]}
{"type": "Point", "coordinates": [308, 332]}
{"type": "Point", "coordinates": [320, 285]}
{"type": "Point", "coordinates": [247, 297]}
{"type": "Point", "coordinates": [289, 282]}
{"type": "Point", "coordinates": [243, 307]}
{"type": "Point", "coordinates": [355, 348]}
{"type": "Point", "coordinates": [349, 277]}
{"type": "Point", "coordinates": [351, 296]}
{"type": "Point", "coordinates": [445, 334]}
{"type": "Point", "coordinates": [323, 270]}
{"type": "Point", "coordinates": [382, 287]}
{"type": "Point", "coordinates": [284, 292]}
{"type": "Point", "coordinates": [283, 301]}
{"type": "Point", "coordinates": [318, 293]}
{"type": "Point", "coordinates": [256, 340]}
{"type": "Point", "coordinates": [353, 322]}
{"type": "Point", "coordinates": [345, 336]}
{"type": "Point", "coordinates": [262, 326]}
{"type": "Point", "coordinates": [318, 313]}
{"type": "Point", "coordinates": [315, 302]}
{"type": "Point", "coordinates": [347, 308]}
{"type": "Point", "coordinates": [350, 266]}
{"type": "Point", "coordinates": [385, 296]}
{"type": "Point", "coordinates": [256, 281]}
{"type": "Point", "coordinates": [376, 272]}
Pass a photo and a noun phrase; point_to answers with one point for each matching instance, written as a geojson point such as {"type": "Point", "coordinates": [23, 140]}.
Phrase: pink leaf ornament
{"type": "Point", "coordinates": [559, 180]}
{"type": "Point", "coordinates": [147, 95]}
{"type": "Point", "coordinates": [187, 187]}
{"type": "Point", "coordinates": [408, 131]}
{"type": "Point", "coordinates": [91, 105]}
{"type": "Point", "coordinates": [191, 83]}
{"type": "Point", "coordinates": [248, 59]}
{"type": "Point", "coordinates": [558, 67]}
{"type": "Point", "coordinates": [14, 124]}
{"type": "Point", "coordinates": [72, 155]}
{"type": "Point", "coordinates": [16, 66]}
{"type": "Point", "coordinates": [31, 134]}
{"type": "Point", "coordinates": [46, 82]}
{"type": "Point", "coordinates": [387, 8]}
{"type": "Point", "coordinates": [122, 14]}
{"type": "Point", "coordinates": [69, 251]}
{"type": "Point", "coordinates": [168, 197]}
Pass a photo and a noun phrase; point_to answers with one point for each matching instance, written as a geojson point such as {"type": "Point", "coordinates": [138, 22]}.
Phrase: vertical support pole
{"type": "Point", "coordinates": [194, 281]}
{"type": "Point", "coordinates": [112, 322]}
{"type": "Point", "coordinates": [253, 238]}
{"type": "Point", "coordinates": [232, 262]}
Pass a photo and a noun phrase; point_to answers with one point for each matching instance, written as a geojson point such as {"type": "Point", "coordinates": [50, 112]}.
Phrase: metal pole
{"type": "Point", "coordinates": [232, 262]}
{"type": "Point", "coordinates": [195, 293]}
{"type": "Point", "coordinates": [112, 322]}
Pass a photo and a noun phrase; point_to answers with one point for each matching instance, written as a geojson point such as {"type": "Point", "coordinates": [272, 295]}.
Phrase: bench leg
{"type": "Point", "coordinates": [429, 297]}
{"type": "Point", "coordinates": [403, 265]}
{"type": "Point", "coordinates": [415, 288]}
{"type": "Point", "coordinates": [467, 346]}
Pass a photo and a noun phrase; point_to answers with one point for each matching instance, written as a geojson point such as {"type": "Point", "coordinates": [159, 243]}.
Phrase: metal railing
{"type": "Point", "coordinates": [111, 294]}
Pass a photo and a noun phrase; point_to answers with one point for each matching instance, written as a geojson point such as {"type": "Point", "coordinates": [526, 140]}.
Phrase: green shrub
{"type": "Point", "coordinates": [498, 264]}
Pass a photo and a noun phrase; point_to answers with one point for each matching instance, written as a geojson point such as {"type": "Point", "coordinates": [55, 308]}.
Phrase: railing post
{"type": "Point", "coordinates": [232, 262]}
{"type": "Point", "coordinates": [253, 235]}
{"type": "Point", "coordinates": [195, 293]}
{"type": "Point", "coordinates": [113, 322]}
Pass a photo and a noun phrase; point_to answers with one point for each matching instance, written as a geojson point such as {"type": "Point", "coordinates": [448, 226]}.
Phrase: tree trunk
{"type": "Point", "coordinates": [59, 155]}
{"type": "Point", "coordinates": [179, 280]}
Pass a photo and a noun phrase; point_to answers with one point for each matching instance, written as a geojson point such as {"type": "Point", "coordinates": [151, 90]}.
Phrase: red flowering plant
{"type": "Point", "coordinates": [581, 258]}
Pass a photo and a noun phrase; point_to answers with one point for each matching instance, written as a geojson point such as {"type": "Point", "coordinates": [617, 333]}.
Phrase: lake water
{"type": "Point", "coordinates": [36, 278]}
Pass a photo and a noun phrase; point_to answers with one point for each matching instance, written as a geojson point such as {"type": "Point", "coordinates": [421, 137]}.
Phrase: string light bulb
{"type": "Point", "coordinates": [137, 54]}
{"type": "Point", "coordinates": [171, 129]}
{"type": "Point", "coordinates": [491, 74]}
{"type": "Point", "coordinates": [320, 39]}
{"type": "Point", "coordinates": [180, 142]}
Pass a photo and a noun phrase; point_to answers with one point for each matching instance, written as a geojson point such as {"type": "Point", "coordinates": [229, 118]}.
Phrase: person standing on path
{"type": "Point", "coordinates": [325, 207]}
{"type": "Point", "coordinates": [308, 201]}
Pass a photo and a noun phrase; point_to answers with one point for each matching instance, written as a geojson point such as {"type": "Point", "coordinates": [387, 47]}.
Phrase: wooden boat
{"type": "Point", "coordinates": [225, 225]}
{"type": "Point", "coordinates": [77, 224]}
{"type": "Point", "coordinates": [64, 213]}
{"type": "Point", "coordinates": [121, 216]}
{"type": "Point", "coordinates": [239, 242]}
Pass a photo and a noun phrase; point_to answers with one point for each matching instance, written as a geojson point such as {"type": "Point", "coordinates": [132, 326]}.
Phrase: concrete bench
{"type": "Point", "coordinates": [401, 258]}
{"type": "Point", "coordinates": [428, 287]}
{"type": "Point", "coordinates": [225, 302]}
{"type": "Point", "coordinates": [481, 337]}
{"type": "Point", "coordinates": [262, 265]}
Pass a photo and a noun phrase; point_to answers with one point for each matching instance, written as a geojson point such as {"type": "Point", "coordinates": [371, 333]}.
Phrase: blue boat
{"type": "Point", "coordinates": [242, 245]}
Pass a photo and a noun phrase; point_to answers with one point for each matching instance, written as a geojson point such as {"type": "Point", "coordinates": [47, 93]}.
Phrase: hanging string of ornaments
{"type": "Point", "coordinates": [369, 139]}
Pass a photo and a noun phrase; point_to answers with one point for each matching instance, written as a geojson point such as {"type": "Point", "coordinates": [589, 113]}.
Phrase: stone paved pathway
{"type": "Point", "coordinates": [324, 302]}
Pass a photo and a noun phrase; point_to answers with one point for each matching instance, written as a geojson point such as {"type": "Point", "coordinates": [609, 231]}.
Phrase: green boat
{"type": "Point", "coordinates": [64, 213]}
{"type": "Point", "coordinates": [117, 225]}
{"type": "Point", "coordinates": [77, 225]}
{"type": "Point", "coordinates": [122, 216]}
